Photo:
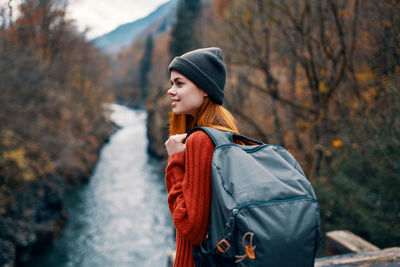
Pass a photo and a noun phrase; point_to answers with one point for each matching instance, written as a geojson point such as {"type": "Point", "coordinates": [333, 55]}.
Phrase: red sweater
{"type": "Point", "coordinates": [188, 180]}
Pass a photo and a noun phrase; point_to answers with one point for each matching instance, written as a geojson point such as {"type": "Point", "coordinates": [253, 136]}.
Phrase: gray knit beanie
{"type": "Point", "coordinates": [205, 67]}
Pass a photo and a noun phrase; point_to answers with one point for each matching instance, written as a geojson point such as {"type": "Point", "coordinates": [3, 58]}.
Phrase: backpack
{"type": "Point", "coordinates": [264, 211]}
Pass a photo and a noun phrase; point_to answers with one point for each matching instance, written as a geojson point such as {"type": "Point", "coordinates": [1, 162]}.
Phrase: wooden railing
{"type": "Point", "coordinates": [345, 248]}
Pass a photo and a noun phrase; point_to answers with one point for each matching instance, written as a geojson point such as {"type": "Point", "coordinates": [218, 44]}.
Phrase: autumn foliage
{"type": "Point", "coordinates": [52, 84]}
{"type": "Point", "coordinates": [51, 94]}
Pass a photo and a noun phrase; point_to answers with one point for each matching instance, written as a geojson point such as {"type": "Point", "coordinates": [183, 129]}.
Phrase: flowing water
{"type": "Point", "coordinates": [120, 218]}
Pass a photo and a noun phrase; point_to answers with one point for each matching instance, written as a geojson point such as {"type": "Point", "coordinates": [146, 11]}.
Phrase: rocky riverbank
{"type": "Point", "coordinates": [32, 213]}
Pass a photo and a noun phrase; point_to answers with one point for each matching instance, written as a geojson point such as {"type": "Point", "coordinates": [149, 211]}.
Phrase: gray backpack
{"type": "Point", "coordinates": [264, 211]}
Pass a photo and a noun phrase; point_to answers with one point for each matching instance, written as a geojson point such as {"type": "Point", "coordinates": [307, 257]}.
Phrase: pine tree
{"type": "Point", "coordinates": [145, 66]}
{"type": "Point", "coordinates": [183, 38]}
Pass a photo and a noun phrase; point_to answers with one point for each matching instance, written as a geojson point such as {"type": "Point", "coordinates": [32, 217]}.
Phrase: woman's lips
{"type": "Point", "coordinates": [174, 102]}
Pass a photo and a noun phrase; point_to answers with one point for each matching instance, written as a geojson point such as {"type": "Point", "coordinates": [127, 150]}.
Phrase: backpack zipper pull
{"type": "Point", "coordinates": [230, 223]}
{"type": "Point", "coordinates": [234, 212]}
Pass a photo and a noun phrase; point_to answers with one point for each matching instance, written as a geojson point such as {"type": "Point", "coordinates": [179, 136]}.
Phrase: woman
{"type": "Point", "coordinates": [197, 91]}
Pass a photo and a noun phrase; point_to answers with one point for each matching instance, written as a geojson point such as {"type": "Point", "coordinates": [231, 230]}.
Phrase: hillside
{"type": "Point", "coordinates": [124, 35]}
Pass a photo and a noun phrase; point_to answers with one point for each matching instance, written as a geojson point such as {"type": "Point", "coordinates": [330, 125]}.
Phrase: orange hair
{"type": "Point", "coordinates": [210, 114]}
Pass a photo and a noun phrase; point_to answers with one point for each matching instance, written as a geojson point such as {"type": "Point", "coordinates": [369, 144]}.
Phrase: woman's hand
{"type": "Point", "coordinates": [175, 144]}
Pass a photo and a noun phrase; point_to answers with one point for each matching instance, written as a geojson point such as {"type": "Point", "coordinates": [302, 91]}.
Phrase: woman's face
{"type": "Point", "coordinates": [186, 96]}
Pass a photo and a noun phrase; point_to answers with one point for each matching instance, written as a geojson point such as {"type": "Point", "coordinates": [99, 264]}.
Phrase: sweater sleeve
{"type": "Point", "coordinates": [188, 181]}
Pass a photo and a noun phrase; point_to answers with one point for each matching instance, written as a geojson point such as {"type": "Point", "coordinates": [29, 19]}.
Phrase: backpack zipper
{"type": "Point", "coordinates": [271, 202]}
{"type": "Point", "coordinates": [247, 148]}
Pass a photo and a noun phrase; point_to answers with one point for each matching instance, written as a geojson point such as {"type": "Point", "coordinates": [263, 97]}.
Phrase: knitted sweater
{"type": "Point", "coordinates": [188, 180]}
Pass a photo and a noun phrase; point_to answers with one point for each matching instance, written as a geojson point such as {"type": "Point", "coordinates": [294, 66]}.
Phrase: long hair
{"type": "Point", "coordinates": [210, 114]}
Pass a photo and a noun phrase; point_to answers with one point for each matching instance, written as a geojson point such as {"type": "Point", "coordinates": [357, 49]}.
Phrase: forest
{"type": "Point", "coordinates": [319, 77]}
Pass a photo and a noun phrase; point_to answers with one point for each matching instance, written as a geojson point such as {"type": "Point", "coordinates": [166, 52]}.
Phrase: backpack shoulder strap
{"type": "Point", "coordinates": [218, 137]}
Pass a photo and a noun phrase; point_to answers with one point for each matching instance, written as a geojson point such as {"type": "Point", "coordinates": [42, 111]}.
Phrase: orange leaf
{"type": "Point", "coordinates": [337, 143]}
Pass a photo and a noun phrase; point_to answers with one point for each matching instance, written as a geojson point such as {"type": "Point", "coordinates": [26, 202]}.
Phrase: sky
{"type": "Point", "coordinates": [102, 16]}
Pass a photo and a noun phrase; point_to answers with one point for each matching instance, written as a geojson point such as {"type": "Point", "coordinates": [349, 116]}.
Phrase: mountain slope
{"type": "Point", "coordinates": [158, 21]}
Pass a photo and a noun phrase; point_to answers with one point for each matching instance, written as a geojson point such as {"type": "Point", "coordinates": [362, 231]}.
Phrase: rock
{"type": "Point", "coordinates": [31, 217]}
{"type": "Point", "coordinates": [19, 232]}
{"type": "Point", "coordinates": [7, 253]}
{"type": "Point", "coordinates": [16, 235]}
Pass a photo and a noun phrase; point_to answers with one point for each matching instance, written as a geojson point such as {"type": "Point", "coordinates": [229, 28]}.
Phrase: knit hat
{"type": "Point", "coordinates": [205, 67]}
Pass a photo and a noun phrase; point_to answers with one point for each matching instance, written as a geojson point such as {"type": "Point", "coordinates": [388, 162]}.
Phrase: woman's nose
{"type": "Point", "coordinates": [171, 91]}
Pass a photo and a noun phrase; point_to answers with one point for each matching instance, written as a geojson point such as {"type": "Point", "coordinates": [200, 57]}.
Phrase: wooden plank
{"type": "Point", "coordinates": [343, 241]}
{"type": "Point", "coordinates": [370, 258]}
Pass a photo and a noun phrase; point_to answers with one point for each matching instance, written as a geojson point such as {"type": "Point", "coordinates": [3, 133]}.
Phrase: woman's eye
{"type": "Point", "coordinates": [177, 84]}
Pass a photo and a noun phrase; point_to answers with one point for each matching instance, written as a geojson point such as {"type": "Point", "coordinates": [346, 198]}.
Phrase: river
{"type": "Point", "coordinates": [120, 218]}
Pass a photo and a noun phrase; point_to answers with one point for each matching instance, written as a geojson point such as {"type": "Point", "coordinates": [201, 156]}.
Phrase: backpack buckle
{"type": "Point", "coordinates": [223, 246]}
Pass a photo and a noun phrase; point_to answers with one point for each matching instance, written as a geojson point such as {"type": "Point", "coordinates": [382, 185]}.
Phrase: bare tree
{"type": "Point", "coordinates": [308, 39]}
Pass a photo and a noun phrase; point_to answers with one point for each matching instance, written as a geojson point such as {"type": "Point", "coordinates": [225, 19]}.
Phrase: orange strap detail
{"type": "Point", "coordinates": [248, 248]}
{"type": "Point", "coordinates": [225, 244]}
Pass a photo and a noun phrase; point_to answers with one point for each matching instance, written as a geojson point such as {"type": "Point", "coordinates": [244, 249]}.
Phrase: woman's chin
{"type": "Point", "coordinates": [176, 111]}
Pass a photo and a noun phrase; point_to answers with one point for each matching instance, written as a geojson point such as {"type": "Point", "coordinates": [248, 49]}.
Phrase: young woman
{"type": "Point", "coordinates": [197, 91]}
